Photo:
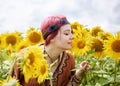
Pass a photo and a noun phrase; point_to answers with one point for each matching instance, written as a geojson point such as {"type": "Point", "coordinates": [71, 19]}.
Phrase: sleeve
{"type": "Point", "coordinates": [17, 73]}
{"type": "Point", "coordinates": [74, 81]}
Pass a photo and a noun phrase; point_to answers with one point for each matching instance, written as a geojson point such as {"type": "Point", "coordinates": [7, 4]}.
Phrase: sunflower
{"type": "Point", "coordinates": [30, 29]}
{"type": "Point", "coordinates": [10, 82]}
{"type": "Point", "coordinates": [32, 60]}
{"type": "Point", "coordinates": [34, 37]}
{"type": "Point", "coordinates": [104, 35]}
{"type": "Point", "coordinates": [81, 45]}
{"type": "Point", "coordinates": [79, 31]}
{"type": "Point", "coordinates": [11, 39]}
{"type": "Point", "coordinates": [112, 46]}
{"type": "Point", "coordinates": [43, 71]}
{"type": "Point", "coordinates": [98, 47]}
{"type": "Point", "coordinates": [76, 25]}
{"type": "Point", "coordinates": [1, 42]}
{"type": "Point", "coordinates": [9, 49]}
{"type": "Point", "coordinates": [95, 30]}
{"type": "Point", "coordinates": [118, 32]}
{"type": "Point", "coordinates": [21, 45]}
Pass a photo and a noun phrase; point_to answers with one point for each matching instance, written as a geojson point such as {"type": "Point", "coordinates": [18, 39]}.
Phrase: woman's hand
{"type": "Point", "coordinates": [84, 66]}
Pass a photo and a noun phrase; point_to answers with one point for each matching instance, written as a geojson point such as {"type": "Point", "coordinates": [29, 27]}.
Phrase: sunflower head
{"type": "Point", "coordinates": [33, 63]}
{"type": "Point", "coordinates": [98, 47]}
{"type": "Point", "coordinates": [118, 33]}
{"type": "Point", "coordinates": [30, 58]}
{"type": "Point", "coordinates": [22, 44]}
{"type": "Point", "coordinates": [43, 71]}
{"type": "Point", "coordinates": [80, 32]}
{"type": "Point", "coordinates": [11, 39]}
{"type": "Point", "coordinates": [1, 41]}
{"type": "Point", "coordinates": [104, 35]}
{"type": "Point", "coordinates": [116, 46]}
{"type": "Point", "coordinates": [112, 46]}
{"type": "Point", "coordinates": [32, 55]}
{"type": "Point", "coordinates": [31, 28]}
{"type": "Point", "coordinates": [81, 45]}
{"type": "Point", "coordinates": [76, 25]}
{"type": "Point", "coordinates": [9, 49]}
{"type": "Point", "coordinates": [34, 37]}
{"type": "Point", "coordinates": [95, 30]}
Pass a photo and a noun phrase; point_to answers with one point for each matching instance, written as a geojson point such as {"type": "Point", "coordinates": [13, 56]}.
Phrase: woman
{"type": "Point", "coordinates": [57, 33]}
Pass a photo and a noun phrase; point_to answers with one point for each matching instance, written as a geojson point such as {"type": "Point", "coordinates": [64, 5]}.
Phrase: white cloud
{"type": "Point", "coordinates": [20, 14]}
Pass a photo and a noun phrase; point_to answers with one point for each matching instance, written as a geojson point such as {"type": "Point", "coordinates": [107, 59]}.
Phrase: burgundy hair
{"type": "Point", "coordinates": [50, 27]}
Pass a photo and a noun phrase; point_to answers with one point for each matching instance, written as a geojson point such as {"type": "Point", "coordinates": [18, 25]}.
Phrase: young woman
{"type": "Point", "coordinates": [57, 33]}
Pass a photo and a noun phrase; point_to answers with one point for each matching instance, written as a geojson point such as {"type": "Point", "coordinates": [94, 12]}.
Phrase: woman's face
{"type": "Point", "coordinates": [64, 38]}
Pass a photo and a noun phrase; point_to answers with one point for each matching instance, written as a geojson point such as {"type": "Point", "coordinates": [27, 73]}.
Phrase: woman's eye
{"type": "Point", "coordinates": [66, 33]}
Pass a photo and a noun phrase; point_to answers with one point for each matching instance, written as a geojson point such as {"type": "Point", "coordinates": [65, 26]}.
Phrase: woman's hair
{"type": "Point", "coordinates": [50, 27]}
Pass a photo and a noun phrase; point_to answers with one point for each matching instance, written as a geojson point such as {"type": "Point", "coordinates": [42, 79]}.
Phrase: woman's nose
{"type": "Point", "coordinates": [72, 36]}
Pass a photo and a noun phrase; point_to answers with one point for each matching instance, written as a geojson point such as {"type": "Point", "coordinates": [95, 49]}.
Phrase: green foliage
{"type": "Point", "coordinates": [5, 63]}
{"type": "Point", "coordinates": [105, 71]}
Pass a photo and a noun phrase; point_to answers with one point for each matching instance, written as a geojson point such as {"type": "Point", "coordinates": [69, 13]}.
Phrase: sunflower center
{"type": "Point", "coordinates": [43, 69]}
{"type": "Point", "coordinates": [31, 58]}
{"type": "Point", "coordinates": [11, 40]}
{"type": "Point", "coordinates": [97, 45]}
{"type": "Point", "coordinates": [116, 46]}
{"type": "Point", "coordinates": [81, 44]}
{"type": "Point", "coordinates": [35, 37]}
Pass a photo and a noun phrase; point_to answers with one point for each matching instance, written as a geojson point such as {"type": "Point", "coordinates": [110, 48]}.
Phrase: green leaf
{"type": "Point", "coordinates": [103, 81]}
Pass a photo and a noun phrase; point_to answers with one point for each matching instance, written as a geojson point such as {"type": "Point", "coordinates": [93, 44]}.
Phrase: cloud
{"type": "Point", "coordinates": [20, 14]}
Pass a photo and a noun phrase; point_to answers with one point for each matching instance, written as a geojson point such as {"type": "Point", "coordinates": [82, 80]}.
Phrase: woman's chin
{"type": "Point", "coordinates": [69, 48]}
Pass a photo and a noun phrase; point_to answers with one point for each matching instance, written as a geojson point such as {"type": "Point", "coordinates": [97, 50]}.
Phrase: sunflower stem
{"type": "Point", "coordinates": [118, 65]}
{"type": "Point", "coordinates": [115, 74]}
{"type": "Point", "coordinates": [102, 65]}
{"type": "Point", "coordinates": [11, 70]}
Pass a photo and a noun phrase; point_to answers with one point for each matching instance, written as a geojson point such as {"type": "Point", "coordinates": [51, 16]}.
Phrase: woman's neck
{"type": "Point", "coordinates": [53, 52]}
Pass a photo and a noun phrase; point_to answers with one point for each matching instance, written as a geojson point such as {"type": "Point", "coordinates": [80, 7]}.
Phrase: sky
{"type": "Point", "coordinates": [19, 15]}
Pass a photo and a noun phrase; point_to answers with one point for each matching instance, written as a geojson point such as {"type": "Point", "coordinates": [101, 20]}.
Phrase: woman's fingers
{"type": "Point", "coordinates": [85, 66]}
{"type": "Point", "coordinates": [88, 67]}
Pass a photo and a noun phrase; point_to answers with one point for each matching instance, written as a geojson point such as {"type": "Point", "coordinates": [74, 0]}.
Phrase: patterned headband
{"type": "Point", "coordinates": [54, 27]}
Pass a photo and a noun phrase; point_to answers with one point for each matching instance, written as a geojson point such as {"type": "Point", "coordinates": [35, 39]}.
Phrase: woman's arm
{"type": "Point", "coordinates": [76, 79]}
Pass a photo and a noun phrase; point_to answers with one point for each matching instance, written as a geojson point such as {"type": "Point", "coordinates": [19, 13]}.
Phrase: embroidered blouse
{"type": "Point", "coordinates": [62, 76]}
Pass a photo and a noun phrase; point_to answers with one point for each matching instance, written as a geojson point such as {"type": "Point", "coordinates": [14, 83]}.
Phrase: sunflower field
{"type": "Point", "coordinates": [101, 49]}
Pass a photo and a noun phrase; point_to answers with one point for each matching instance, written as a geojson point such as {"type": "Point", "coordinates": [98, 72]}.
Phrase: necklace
{"type": "Point", "coordinates": [53, 63]}
{"type": "Point", "coordinates": [48, 56]}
